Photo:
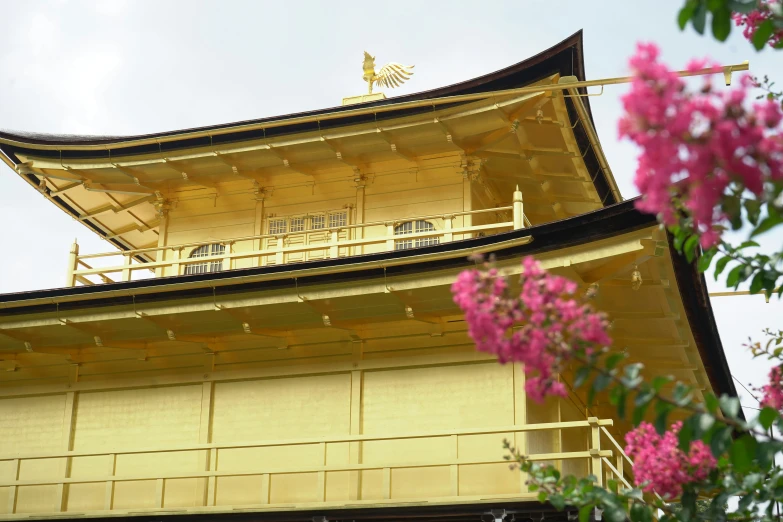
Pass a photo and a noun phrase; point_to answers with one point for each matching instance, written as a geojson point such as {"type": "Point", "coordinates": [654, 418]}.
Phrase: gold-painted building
{"type": "Point", "coordinates": [272, 335]}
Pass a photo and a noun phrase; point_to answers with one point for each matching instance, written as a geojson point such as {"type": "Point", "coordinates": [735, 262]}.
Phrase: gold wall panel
{"type": "Point", "coordinates": [278, 408]}
{"type": "Point", "coordinates": [438, 398]}
{"type": "Point", "coordinates": [288, 488]}
{"type": "Point", "coordinates": [31, 423]}
{"type": "Point", "coordinates": [421, 482]}
{"type": "Point", "coordinates": [488, 479]}
{"type": "Point", "coordinates": [140, 417]}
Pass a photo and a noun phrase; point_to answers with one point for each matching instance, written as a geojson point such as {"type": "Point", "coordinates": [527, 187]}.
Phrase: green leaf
{"type": "Point", "coordinates": [640, 513]}
{"type": "Point", "coordinates": [685, 436]}
{"type": "Point", "coordinates": [742, 453]}
{"type": "Point", "coordinates": [682, 394]}
{"type": "Point", "coordinates": [720, 442]}
{"type": "Point", "coordinates": [753, 208]}
{"type": "Point", "coordinates": [613, 360]}
{"type": "Point", "coordinates": [689, 247]}
{"type": "Point", "coordinates": [584, 513]}
{"type": "Point", "coordinates": [733, 279]}
{"type": "Point", "coordinates": [601, 382]}
{"type": "Point", "coordinates": [747, 244]}
{"type": "Point", "coordinates": [614, 514]}
{"type": "Point", "coordinates": [732, 206]}
{"type": "Point", "coordinates": [711, 402]}
{"type": "Point", "coordinates": [767, 417]}
{"type": "Point", "coordinates": [557, 501]}
{"type": "Point", "coordinates": [740, 6]}
{"type": "Point", "coordinates": [699, 18]}
{"type": "Point", "coordinates": [706, 258]}
{"type": "Point", "coordinates": [688, 503]}
{"type": "Point", "coordinates": [762, 34]}
{"type": "Point", "coordinates": [638, 413]}
{"type": "Point", "coordinates": [730, 406]}
{"type": "Point", "coordinates": [685, 14]}
{"type": "Point", "coordinates": [705, 421]}
{"type": "Point", "coordinates": [744, 502]}
{"type": "Point", "coordinates": [721, 265]}
{"type": "Point", "coordinates": [757, 283]}
{"type": "Point", "coordinates": [659, 382]}
{"type": "Point", "coordinates": [662, 410]}
{"type": "Point", "coordinates": [721, 24]}
{"type": "Point", "coordinates": [618, 397]}
{"type": "Point", "coordinates": [581, 376]}
{"type": "Point", "coordinates": [767, 223]}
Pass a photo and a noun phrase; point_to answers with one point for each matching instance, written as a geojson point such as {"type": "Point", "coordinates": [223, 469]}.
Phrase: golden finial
{"type": "Point", "coordinates": [391, 75]}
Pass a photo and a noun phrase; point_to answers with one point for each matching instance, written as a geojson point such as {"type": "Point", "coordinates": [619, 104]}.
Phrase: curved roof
{"type": "Point", "coordinates": [564, 58]}
{"type": "Point", "coordinates": [64, 152]}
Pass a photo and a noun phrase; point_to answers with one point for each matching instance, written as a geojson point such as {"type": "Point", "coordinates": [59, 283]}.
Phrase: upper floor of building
{"type": "Point", "coordinates": [507, 150]}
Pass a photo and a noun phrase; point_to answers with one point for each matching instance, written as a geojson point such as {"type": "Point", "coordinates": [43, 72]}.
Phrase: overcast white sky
{"type": "Point", "coordinates": [132, 67]}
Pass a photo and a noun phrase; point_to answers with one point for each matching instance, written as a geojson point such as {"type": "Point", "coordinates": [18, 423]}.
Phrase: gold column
{"type": "Point", "coordinates": [361, 183]}
{"type": "Point", "coordinates": [162, 207]}
{"type": "Point", "coordinates": [258, 226]}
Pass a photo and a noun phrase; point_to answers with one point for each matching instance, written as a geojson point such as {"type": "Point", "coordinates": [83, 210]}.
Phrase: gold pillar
{"type": "Point", "coordinates": [258, 225]}
{"type": "Point", "coordinates": [361, 183]}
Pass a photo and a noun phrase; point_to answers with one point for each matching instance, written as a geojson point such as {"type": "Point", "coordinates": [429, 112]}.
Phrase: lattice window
{"type": "Point", "coordinates": [297, 224]}
{"type": "Point", "coordinates": [338, 219]}
{"type": "Point", "coordinates": [277, 226]}
{"type": "Point", "coordinates": [414, 227]}
{"type": "Point", "coordinates": [317, 222]}
{"type": "Point", "coordinates": [214, 249]}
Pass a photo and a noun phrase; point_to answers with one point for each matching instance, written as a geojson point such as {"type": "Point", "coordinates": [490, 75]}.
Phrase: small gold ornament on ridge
{"type": "Point", "coordinates": [391, 75]}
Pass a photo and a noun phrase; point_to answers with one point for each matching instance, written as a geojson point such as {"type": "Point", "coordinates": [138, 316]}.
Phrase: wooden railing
{"type": "Point", "coordinates": [169, 259]}
{"type": "Point", "coordinates": [210, 472]}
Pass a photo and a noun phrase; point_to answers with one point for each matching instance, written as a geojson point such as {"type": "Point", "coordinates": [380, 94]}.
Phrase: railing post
{"type": "Point", "coordinates": [176, 256]}
{"type": "Point", "coordinates": [448, 224]}
{"type": "Point", "coordinates": [279, 249]}
{"type": "Point", "coordinates": [595, 450]}
{"type": "Point", "coordinates": [390, 236]}
{"type": "Point", "coordinates": [126, 273]}
{"type": "Point", "coordinates": [228, 251]}
{"type": "Point", "coordinates": [519, 215]}
{"type": "Point", "coordinates": [73, 260]}
{"type": "Point", "coordinates": [333, 248]}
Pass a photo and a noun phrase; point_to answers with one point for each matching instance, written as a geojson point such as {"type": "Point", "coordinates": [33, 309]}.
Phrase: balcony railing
{"type": "Point", "coordinates": [605, 460]}
{"type": "Point", "coordinates": [276, 249]}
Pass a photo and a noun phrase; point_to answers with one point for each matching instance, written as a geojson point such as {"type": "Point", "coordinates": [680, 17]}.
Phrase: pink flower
{"type": "Point", "coordinates": [661, 466]}
{"type": "Point", "coordinates": [695, 146]}
{"type": "Point", "coordinates": [542, 327]}
{"type": "Point", "coordinates": [754, 19]}
{"type": "Point", "coordinates": [773, 391]}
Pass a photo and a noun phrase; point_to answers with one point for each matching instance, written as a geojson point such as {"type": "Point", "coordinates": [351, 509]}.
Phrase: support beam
{"type": "Point", "coordinates": [395, 146]}
{"type": "Point", "coordinates": [181, 169]}
{"type": "Point", "coordinates": [116, 209]}
{"type": "Point", "coordinates": [298, 168]}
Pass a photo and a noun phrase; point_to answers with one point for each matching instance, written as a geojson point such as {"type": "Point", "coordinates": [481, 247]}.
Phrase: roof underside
{"type": "Point", "coordinates": [535, 140]}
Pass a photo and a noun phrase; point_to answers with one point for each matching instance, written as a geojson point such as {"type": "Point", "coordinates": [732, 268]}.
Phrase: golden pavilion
{"type": "Point", "coordinates": [271, 334]}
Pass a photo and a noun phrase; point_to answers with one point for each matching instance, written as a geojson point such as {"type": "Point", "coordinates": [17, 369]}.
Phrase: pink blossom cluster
{"type": "Point", "coordinates": [694, 146]}
{"type": "Point", "coordinates": [751, 21]}
{"type": "Point", "coordinates": [773, 391]}
{"type": "Point", "coordinates": [661, 466]}
{"type": "Point", "coordinates": [542, 327]}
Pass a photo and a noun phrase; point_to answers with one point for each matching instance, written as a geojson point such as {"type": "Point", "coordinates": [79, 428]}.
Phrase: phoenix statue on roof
{"type": "Point", "coordinates": [391, 75]}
